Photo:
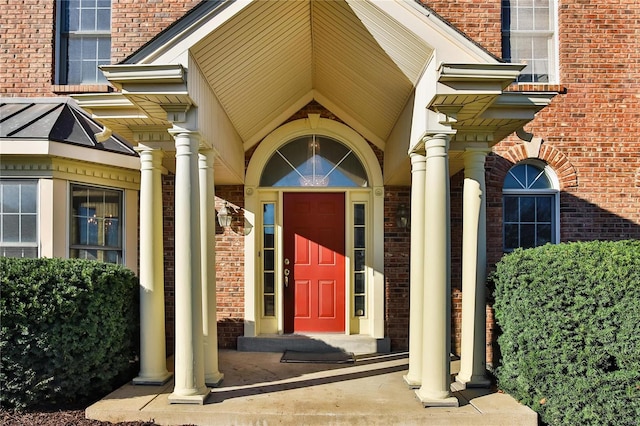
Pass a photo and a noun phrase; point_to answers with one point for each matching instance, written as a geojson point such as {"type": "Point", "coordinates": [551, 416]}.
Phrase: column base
{"type": "Point", "coordinates": [213, 380]}
{"type": "Point", "coordinates": [412, 383]}
{"type": "Point", "coordinates": [430, 401]}
{"type": "Point", "coordinates": [158, 380]}
{"type": "Point", "coordinates": [189, 399]}
{"type": "Point", "coordinates": [473, 382]}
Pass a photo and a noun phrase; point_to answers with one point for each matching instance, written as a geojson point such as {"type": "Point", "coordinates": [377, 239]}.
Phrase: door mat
{"type": "Point", "coordinates": [318, 357]}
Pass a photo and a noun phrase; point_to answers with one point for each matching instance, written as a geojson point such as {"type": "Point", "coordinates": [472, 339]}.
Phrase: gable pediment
{"type": "Point", "coordinates": [264, 60]}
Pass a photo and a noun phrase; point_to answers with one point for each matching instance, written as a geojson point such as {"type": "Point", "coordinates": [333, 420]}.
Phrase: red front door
{"type": "Point", "coordinates": [314, 279]}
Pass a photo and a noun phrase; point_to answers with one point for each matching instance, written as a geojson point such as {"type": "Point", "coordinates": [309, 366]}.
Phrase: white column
{"type": "Point", "coordinates": [474, 259]}
{"type": "Point", "coordinates": [435, 388]}
{"type": "Point", "coordinates": [212, 376]}
{"type": "Point", "coordinates": [153, 362]}
{"type": "Point", "coordinates": [416, 292]}
{"type": "Point", "coordinates": [189, 363]}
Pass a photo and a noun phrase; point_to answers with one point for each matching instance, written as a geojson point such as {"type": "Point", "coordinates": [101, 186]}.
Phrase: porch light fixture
{"type": "Point", "coordinates": [225, 215]}
{"type": "Point", "coordinates": [402, 217]}
{"type": "Point", "coordinates": [228, 217]}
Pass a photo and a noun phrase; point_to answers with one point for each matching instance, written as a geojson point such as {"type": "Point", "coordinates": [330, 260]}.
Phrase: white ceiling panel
{"type": "Point", "coordinates": [274, 53]}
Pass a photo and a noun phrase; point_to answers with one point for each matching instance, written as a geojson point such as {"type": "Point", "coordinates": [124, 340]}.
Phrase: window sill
{"type": "Point", "coordinates": [536, 87]}
{"type": "Point", "coordinates": [65, 89]}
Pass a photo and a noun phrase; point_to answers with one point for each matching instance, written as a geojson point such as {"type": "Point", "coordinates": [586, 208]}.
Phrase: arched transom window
{"type": "Point", "coordinates": [530, 207]}
{"type": "Point", "coordinates": [314, 161]}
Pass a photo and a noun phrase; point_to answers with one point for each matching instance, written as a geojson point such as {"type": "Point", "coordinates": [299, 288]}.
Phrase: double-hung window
{"type": "Point", "coordinates": [18, 218]}
{"type": "Point", "coordinates": [529, 37]}
{"type": "Point", "coordinates": [530, 207]}
{"type": "Point", "coordinates": [96, 224]}
{"type": "Point", "coordinates": [84, 40]}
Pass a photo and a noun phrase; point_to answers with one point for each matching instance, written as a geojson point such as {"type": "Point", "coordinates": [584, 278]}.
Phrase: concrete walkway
{"type": "Point", "coordinates": [260, 390]}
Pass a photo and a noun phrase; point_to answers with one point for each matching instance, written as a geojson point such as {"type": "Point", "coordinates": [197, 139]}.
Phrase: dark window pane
{"type": "Point", "coordinates": [511, 209]}
{"type": "Point", "coordinates": [269, 260]}
{"type": "Point", "coordinates": [269, 306]}
{"type": "Point", "coordinates": [543, 209]}
{"type": "Point", "coordinates": [359, 261]}
{"type": "Point", "coordinates": [268, 238]}
{"type": "Point", "coordinates": [359, 306]}
{"type": "Point", "coordinates": [358, 237]}
{"type": "Point", "coordinates": [359, 283]}
{"type": "Point", "coordinates": [543, 235]}
{"type": "Point", "coordinates": [511, 237]}
{"type": "Point", "coordinates": [518, 174]}
{"type": "Point", "coordinates": [358, 214]}
{"type": "Point", "coordinates": [527, 209]}
{"type": "Point", "coordinates": [527, 236]}
{"type": "Point", "coordinates": [269, 282]}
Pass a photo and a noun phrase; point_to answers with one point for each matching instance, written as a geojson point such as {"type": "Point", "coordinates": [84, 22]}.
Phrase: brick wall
{"type": "Point", "coordinates": [27, 41]}
{"type": "Point", "coordinates": [26, 47]}
{"type": "Point", "coordinates": [480, 20]}
{"type": "Point", "coordinates": [168, 232]}
{"type": "Point", "coordinates": [396, 268]}
{"type": "Point", "coordinates": [230, 270]}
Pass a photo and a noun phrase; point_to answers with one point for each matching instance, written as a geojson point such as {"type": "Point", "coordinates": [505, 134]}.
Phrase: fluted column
{"type": "Point", "coordinates": [416, 278]}
{"type": "Point", "coordinates": [212, 375]}
{"type": "Point", "coordinates": [435, 388]}
{"type": "Point", "coordinates": [153, 355]}
{"type": "Point", "coordinates": [189, 353]}
{"type": "Point", "coordinates": [474, 259]}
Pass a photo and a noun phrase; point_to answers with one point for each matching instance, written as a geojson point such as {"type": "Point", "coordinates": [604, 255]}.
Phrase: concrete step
{"type": "Point", "coordinates": [316, 342]}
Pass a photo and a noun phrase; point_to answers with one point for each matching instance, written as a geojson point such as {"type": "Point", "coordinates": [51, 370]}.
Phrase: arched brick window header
{"type": "Point", "coordinates": [498, 166]}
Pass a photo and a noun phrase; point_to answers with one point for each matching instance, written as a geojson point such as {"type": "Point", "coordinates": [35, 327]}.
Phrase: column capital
{"type": "Point", "coordinates": [474, 159]}
{"type": "Point", "coordinates": [150, 158]}
{"type": "Point", "coordinates": [418, 161]}
{"type": "Point", "coordinates": [206, 158]}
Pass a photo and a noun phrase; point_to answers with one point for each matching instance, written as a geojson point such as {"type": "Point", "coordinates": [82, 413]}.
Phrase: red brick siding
{"type": "Point", "coordinates": [168, 203]}
{"type": "Point", "coordinates": [27, 41]}
{"type": "Point", "coordinates": [230, 277]}
{"type": "Point", "coordinates": [135, 22]}
{"type": "Point", "coordinates": [26, 47]}
{"type": "Point", "coordinates": [396, 268]}
{"type": "Point", "coordinates": [480, 20]}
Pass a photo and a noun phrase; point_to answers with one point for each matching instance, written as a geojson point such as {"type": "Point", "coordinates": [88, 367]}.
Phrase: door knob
{"type": "Point", "coordinates": [286, 277]}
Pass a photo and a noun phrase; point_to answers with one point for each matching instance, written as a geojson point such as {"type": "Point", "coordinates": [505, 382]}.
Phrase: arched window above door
{"type": "Point", "coordinates": [314, 161]}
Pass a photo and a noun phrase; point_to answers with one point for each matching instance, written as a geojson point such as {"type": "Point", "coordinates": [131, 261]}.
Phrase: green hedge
{"type": "Point", "coordinates": [570, 321]}
{"type": "Point", "coordinates": [68, 332]}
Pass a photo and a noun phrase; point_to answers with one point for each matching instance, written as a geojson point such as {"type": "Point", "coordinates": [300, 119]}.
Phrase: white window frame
{"type": "Point", "coordinates": [61, 54]}
{"type": "Point", "coordinates": [554, 192]}
{"type": "Point", "coordinates": [20, 244]}
{"type": "Point", "coordinates": [552, 40]}
{"type": "Point", "coordinates": [122, 219]}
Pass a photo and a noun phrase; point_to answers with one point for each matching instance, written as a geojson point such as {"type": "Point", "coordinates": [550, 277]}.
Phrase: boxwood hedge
{"type": "Point", "coordinates": [570, 321]}
{"type": "Point", "coordinates": [69, 330]}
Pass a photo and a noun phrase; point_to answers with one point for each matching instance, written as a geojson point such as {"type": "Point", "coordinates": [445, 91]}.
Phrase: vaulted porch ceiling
{"type": "Point", "coordinates": [273, 57]}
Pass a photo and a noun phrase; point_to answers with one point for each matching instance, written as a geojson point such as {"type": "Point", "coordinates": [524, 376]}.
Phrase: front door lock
{"type": "Point", "coordinates": [286, 277]}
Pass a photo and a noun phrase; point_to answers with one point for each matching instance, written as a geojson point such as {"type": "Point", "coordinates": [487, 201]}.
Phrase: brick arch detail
{"type": "Point", "coordinates": [498, 166]}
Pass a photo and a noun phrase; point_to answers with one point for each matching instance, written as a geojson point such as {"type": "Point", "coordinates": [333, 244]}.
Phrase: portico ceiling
{"type": "Point", "coordinates": [273, 57]}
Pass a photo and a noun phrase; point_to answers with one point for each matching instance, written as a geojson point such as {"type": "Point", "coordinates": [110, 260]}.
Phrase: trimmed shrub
{"type": "Point", "coordinates": [69, 330]}
{"type": "Point", "coordinates": [570, 321]}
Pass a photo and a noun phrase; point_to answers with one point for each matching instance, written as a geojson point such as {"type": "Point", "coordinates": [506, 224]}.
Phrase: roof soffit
{"type": "Point", "coordinates": [362, 57]}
